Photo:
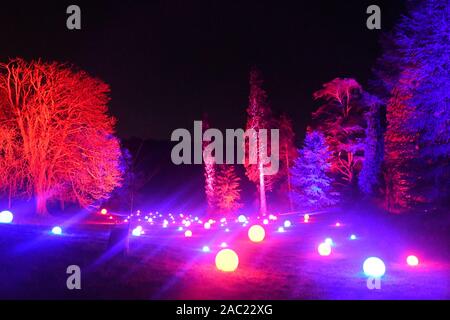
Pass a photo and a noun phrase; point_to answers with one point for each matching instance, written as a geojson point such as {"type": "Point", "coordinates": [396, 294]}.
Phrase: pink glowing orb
{"type": "Point", "coordinates": [256, 233]}
{"type": "Point", "coordinates": [338, 224]}
{"type": "Point", "coordinates": [412, 261]}
{"type": "Point", "coordinates": [324, 249]}
{"type": "Point", "coordinates": [227, 260]}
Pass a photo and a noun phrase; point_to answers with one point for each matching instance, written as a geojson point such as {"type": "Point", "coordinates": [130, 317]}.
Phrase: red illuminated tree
{"type": "Point", "coordinates": [259, 116]}
{"type": "Point", "coordinates": [288, 154]}
{"type": "Point", "coordinates": [341, 119]}
{"type": "Point", "coordinates": [56, 136]}
{"type": "Point", "coordinates": [227, 189]}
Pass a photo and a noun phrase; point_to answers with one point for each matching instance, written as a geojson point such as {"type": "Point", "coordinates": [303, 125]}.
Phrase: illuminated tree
{"type": "Point", "coordinates": [259, 116]}
{"type": "Point", "coordinates": [312, 187]}
{"type": "Point", "coordinates": [227, 189]}
{"type": "Point", "coordinates": [341, 120]}
{"type": "Point", "coordinates": [369, 179]}
{"type": "Point", "coordinates": [288, 154]}
{"type": "Point", "coordinates": [56, 118]}
{"type": "Point", "coordinates": [210, 174]}
{"type": "Point", "coordinates": [414, 75]}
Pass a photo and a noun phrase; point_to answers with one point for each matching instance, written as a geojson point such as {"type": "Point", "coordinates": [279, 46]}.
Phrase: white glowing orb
{"type": "Point", "coordinates": [57, 230]}
{"type": "Point", "coordinates": [329, 241]}
{"type": "Point", "coordinates": [227, 260]}
{"type": "Point", "coordinates": [256, 233]}
{"type": "Point", "coordinates": [324, 249]}
{"type": "Point", "coordinates": [188, 234]}
{"type": "Point", "coordinates": [187, 224]}
{"type": "Point", "coordinates": [280, 229]}
{"type": "Point", "coordinates": [374, 267]}
{"type": "Point", "coordinates": [180, 228]}
{"type": "Point", "coordinates": [266, 221]}
{"type": "Point", "coordinates": [206, 249]}
{"type": "Point", "coordinates": [412, 261]}
{"type": "Point", "coordinates": [103, 211]}
{"type": "Point", "coordinates": [338, 224]}
{"type": "Point", "coordinates": [207, 225]}
{"type": "Point", "coordinates": [242, 218]}
{"type": "Point", "coordinates": [6, 217]}
{"type": "Point", "coordinates": [227, 230]}
{"type": "Point", "coordinates": [137, 231]}
{"type": "Point", "coordinates": [223, 245]}
{"type": "Point", "coordinates": [353, 237]}
{"type": "Point", "coordinates": [306, 218]}
{"type": "Point", "coordinates": [287, 224]}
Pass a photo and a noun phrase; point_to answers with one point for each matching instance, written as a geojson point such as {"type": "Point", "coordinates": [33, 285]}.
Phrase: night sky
{"type": "Point", "coordinates": [168, 62]}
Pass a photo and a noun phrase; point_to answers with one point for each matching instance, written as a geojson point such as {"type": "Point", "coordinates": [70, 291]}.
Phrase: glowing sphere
{"type": "Point", "coordinates": [227, 230]}
{"type": "Point", "coordinates": [280, 229]}
{"type": "Point", "coordinates": [329, 241]}
{"type": "Point", "coordinates": [223, 245]}
{"type": "Point", "coordinates": [103, 211]}
{"type": "Point", "coordinates": [412, 261]}
{"type": "Point", "coordinates": [242, 218]}
{"type": "Point", "coordinates": [207, 225]}
{"type": "Point", "coordinates": [324, 249]}
{"type": "Point", "coordinates": [205, 249]}
{"type": "Point", "coordinates": [227, 260]}
{"type": "Point", "coordinates": [6, 217]}
{"type": "Point", "coordinates": [287, 224]}
{"type": "Point", "coordinates": [352, 237]}
{"type": "Point", "coordinates": [266, 221]}
{"type": "Point", "coordinates": [374, 267]}
{"type": "Point", "coordinates": [256, 233]}
{"type": "Point", "coordinates": [57, 230]}
{"type": "Point", "coordinates": [188, 234]}
{"type": "Point", "coordinates": [187, 224]}
{"type": "Point", "coordinates": [137, 231]}
{"type": "Point", "coordinates": [180, 228]}
{"type": "Point", "coordinates": [306, 218]}
{"type": "Point", "coordinates": [338, 224]}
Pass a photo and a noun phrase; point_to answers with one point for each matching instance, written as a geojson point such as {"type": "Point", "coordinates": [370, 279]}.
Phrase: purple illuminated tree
{"type": "Point", "coordinates": [312, 187]}
{"type": "Point", "coordinates": [369, 179]}
{"type": "Point", "coordinates": [414, 72]}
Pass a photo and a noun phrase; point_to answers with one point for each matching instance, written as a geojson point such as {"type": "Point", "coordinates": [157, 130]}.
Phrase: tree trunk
{"type": "Point", "coordinates": [41, 204]}
{"type": "Point", "coordinates": [288, 176]}
{"type": "Point", "coordinates": [262, 191]}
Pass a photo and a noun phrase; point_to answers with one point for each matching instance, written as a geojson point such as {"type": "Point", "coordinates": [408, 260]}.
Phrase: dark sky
{"type": "Point", "coordinates": [168, 62]}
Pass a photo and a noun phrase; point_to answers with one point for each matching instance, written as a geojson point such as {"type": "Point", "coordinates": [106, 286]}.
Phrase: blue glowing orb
{"type": "Point", "coordinates": [242, 218]}
{"type": "Point", "coordinates": [6, 217]}
{"type": "Point", "coordinates": [352, 237]}
{"type": "Point", "coordinates": [374, 267]}
{"type": "Point", "coordinates": [57, 230]}
{"type": "Point", "coordinates": [206, 249]}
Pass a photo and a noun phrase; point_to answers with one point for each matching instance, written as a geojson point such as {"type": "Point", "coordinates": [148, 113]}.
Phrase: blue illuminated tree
{"type": "Point", "coordinates": [414, 71]}
{"type": "Point", "coordinates": [312, 187]}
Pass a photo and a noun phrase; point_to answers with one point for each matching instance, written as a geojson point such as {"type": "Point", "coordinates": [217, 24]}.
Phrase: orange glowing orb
{"type": "Point", "coordinates": [227, 260]}
{"type": "Point", "coordinates": [256, 233]}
